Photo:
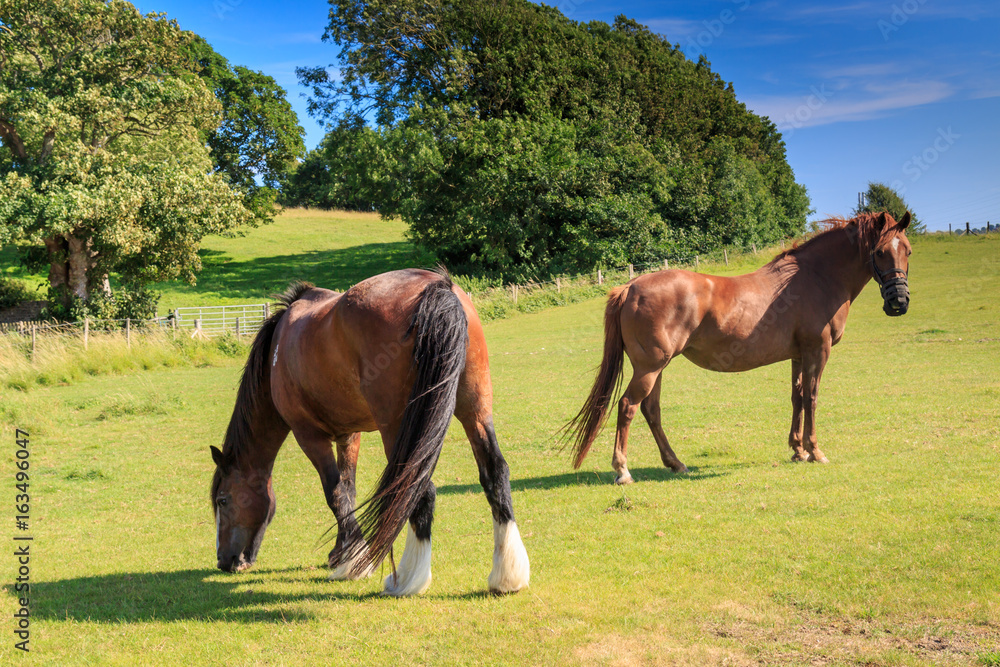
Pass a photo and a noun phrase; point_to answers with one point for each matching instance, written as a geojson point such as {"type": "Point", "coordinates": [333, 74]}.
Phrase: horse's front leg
{"type": "Point", "coordinates": [338, 488]}
{"type": "Point", "coordinates": [813, 363]}
{"type": "Point", "coordinates": [795, 433]}
{"type": "Point", "coordinates": [511, 570]}
{"type": "Point", "coordinates": [350, 547]}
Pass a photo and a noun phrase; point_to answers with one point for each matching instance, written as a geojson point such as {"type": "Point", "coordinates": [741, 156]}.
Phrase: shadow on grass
{"type": "Point", "coordinates": [207, 595]}
{"type": "Point", "coordinates": [333, 269]}
{"type": "Point", "coordinates": [588, 478]}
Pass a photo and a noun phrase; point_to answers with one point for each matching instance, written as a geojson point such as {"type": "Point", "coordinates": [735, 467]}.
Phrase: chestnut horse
{"type": "Point", "coordinates": [399, 353]}
{"type": "Point", "coordinates": [794, 308]}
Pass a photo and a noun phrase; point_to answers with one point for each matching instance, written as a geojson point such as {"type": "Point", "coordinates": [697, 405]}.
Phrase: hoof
{"type": "Point", "coordinates": [818, 457]}
{"type": "Point", "coordinates": [624, 479]}
{"type": "Point", "coordinates": [680, 469]}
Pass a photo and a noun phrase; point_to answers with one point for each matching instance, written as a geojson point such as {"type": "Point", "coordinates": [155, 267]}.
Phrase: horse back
{"type": "Point", "coordinates": [346, 360]}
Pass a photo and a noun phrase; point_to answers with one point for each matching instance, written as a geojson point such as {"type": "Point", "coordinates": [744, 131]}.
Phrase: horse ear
{"type": "Point", "coordinates": [218, 456]}
{"type": "Point", "coordinates": [905, 222]}
{"type": "Point", "coordinates": [881, 220]}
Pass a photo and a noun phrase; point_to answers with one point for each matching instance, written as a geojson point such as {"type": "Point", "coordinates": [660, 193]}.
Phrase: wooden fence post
{"type": "Point", "coordinates": [600, 278]}
{"type": "Point", "coordinates": [725, 253]}
{"type": "Point", "coordinates": [754, 246]}
{"type": "Point", "coordinates": [966, 228]}
{"type": "Point", "coordinates": [696, 263]}
{"type": "Point", "coordinates": [631, 272]}
{"type": "Point", "coordinates": [86, 333]}
{"type": "Point", "coordinates": [558, 285]}
{"type": "Point", "coordinates": [237, 327]}
{"type": "Point", "coordinates": [128, 332]}
{"type": "Point", "coordinates": [666, 264]}
{"type": "Point", "coordinates": [33, 326]}
{"type": "Point", "coordinates": [513, 292]}
{"type": "Point", "coordinates": [267, 311]}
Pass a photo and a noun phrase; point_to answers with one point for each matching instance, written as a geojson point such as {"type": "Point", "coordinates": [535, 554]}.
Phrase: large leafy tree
{"type": "Point", "coordinates": [327, 177]}
{"type": "Point", "coordinates": [102, 118]}
{"type": "Point", "coordinates": [258, 139]}
{"type": "Point", "coordinates": [880, 197]}
{"type": "Point", "coordinates": [515, 140]}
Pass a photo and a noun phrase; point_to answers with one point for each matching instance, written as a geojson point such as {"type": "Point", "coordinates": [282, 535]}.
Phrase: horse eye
{"type": "Point", "coordinates": [880, 253]}
{"type": "Point", "coordinates": [222, 502]}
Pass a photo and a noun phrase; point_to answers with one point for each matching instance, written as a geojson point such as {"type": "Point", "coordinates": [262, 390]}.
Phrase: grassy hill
{"type": "Point", "coordinates": [334, 249]}
{"type": "Point", "coordinates": [887, 556]}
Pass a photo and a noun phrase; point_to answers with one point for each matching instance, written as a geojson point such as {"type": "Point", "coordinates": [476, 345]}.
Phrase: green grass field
{"type": "Point", "coordinates": [334, 249]}
{"type": "Point", "coordinates": [889, 555]}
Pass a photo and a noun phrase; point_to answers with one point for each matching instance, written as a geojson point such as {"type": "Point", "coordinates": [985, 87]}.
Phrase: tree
{"type": "Point", "coordinates": [328, 176]}
{"type": "Point", "coordinates": [512, 139]}
{"type": "Point", "coordinates": [880, 197]}
{"type": "Point", "coordinates": [259, 137]}
{"type": "Point", "coordinates": [101, 117]}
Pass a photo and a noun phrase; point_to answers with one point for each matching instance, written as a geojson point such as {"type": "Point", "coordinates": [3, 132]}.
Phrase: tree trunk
{"type": "Point", "coordinates": [79, 263]}
{"type": "Point", "coordinates": [58, 267]}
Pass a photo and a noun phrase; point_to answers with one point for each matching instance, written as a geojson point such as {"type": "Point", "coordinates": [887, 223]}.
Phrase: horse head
{"type": "Point", "coordinates": [890, 263]}
{"type": "Point", "coordinates": [243, 502]}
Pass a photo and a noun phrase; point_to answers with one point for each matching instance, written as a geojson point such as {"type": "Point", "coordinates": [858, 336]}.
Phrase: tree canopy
{"type": "Point", "coordinates": [880, 197]}
{"type": "Point", "coordinates": [258, 138]}
{"type": "Point", "coordinates": [516, 141]}
{"type": "Point", "coordinates": [106, 127]}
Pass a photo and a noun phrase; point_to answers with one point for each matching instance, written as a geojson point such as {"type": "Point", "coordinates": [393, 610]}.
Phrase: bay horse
{"type": "Point", "coordinates": [795, 307]}
{"type": "Point", "coordinates": [399, 353]}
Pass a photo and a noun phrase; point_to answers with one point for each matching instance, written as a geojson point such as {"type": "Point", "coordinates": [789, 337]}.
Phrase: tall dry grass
{"type": "Point", "coordinates": [63, 358]}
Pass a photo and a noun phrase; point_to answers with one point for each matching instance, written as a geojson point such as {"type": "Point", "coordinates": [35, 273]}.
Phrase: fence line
{"type": "Point", "coordinates": [245, 319]}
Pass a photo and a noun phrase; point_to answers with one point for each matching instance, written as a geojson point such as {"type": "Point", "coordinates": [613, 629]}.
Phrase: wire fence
{"type": "Point", "coordinates": [244, 320]}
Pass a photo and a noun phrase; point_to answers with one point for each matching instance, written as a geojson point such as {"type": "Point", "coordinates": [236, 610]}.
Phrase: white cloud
{"type": "Point", "coordinates": [825, 104]}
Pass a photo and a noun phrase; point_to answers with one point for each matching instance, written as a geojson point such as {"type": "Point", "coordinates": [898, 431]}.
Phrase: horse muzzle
{"type": "Point", "coordinates": [895, 297]}
{"type": "Point", "coordinates": [236, 563]}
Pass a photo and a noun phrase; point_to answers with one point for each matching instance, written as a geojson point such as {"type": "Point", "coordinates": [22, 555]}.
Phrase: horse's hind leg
{"type": "Point", "coordinates": [413, 574]}
{"type": "Point", "coordinates": [636, 392]}
{"type": "Point", "coordinates": [511, 570]}
{"type": "Point", "coordinates": [650, 407]}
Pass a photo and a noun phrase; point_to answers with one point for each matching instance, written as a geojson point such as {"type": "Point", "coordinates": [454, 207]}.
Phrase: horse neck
{"type": "Point", "coordinates": [836, 257]}
{"type": "Point", "coordinates": [257, 446]}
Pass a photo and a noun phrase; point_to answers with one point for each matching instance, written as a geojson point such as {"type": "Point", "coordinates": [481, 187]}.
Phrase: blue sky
{"type": "Point", "coordinates": [906, 92]}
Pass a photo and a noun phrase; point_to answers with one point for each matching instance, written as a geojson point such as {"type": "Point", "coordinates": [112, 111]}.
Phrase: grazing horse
{"type": "Point", "coordinates": [399, 353]}
{"type": "Point", "coordinates": [794, 308]}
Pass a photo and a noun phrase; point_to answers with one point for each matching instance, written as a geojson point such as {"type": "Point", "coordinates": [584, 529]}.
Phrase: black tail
{"type": "Point", "coordinates": [256, 373]}
{"type": "Point", "coordinates": [585, 425]}
{"type": "Point", "coordinates": [441, 339]}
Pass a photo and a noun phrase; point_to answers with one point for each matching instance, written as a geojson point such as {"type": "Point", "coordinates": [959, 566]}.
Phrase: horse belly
{"type": "Point", "coordinates": [735, 355]}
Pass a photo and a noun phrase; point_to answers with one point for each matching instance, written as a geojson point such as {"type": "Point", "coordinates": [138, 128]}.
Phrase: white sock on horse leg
{"type": "Point", "coordinates": [413, 574]}
{"type": "Point", "coordinates": [345, 571]}
{"type": "Point", "coordinates": [511, 570]}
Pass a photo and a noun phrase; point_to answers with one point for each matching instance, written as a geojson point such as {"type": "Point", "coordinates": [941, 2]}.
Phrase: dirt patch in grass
{"type": "Point", "coordinates": [643, 649]}
{"type": "Point", "coordinates": [818, 641]}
